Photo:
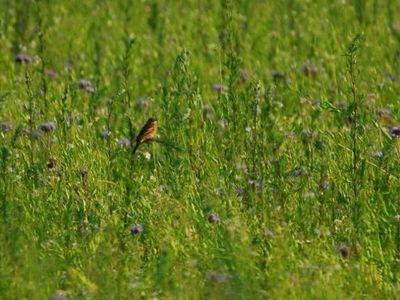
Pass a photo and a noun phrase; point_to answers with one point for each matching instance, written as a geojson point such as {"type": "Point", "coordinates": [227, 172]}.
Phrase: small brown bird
{"type": "Point", "coordinates": [146, 134]}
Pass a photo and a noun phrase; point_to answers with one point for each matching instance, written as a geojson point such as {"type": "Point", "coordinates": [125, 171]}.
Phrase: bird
{"type": "Point", "coordinates": [146, 134]}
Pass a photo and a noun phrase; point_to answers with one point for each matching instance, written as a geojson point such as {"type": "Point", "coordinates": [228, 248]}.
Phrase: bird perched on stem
{"type": "Point", "coordinates": [146, 134]}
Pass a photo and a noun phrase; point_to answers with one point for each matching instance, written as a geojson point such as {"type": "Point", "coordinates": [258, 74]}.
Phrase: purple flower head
{"type": "Point", "coordinates": [213, 218]}
{"type": "Point", "coordinates": [52, 74]}
{"type": "Point", "coordinates": [137, 229]}
{"type": "Point", "coordinates": [23, 58]}
{"type": "Point", "coordinates": [105, 134]}
{"type": "Point", "coordinates": [47, 127]}
{"type": "Point", "coordinates": [394, 131]}
{"type": "Point", "coordinates": [298, 172]}
{"type": "Point", "coordinates": [218, 87]}
{"type": "Point", "coordinates": [86, 85]}
{"type": "Point", "coordinates": [124, 142]}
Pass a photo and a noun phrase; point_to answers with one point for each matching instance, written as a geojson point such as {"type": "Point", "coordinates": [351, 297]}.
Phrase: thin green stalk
{"type": "Point", "coordinates": [355, 106]}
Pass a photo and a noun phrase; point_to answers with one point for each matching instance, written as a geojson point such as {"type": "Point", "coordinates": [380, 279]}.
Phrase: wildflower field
{"type": "Point", "coordinates": [232, 149]}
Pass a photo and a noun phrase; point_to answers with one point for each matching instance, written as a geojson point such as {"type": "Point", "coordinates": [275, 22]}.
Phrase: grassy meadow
{"type": "Point", "coordinates": [275, 172]}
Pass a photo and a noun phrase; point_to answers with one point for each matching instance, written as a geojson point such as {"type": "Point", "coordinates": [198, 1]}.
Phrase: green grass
{"type": "Point", "coordinates": [295, 184]}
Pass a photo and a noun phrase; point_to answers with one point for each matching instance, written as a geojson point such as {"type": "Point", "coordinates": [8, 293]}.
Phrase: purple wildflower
{"type": "Point", "coordinates": [297, 172]}
{"type": "Point", "coordinates": [394, 131]}
{"type": "Point", "coordinates": [137, 229]}
{"type": "Point", "coordinates": [124, 142]}
{"type": "Point", "coordinates": [105, 134]}
{"type": "Point", "coordinates": [218, 87]}
{"type": "Point", "coordinates": [213, 218]}
{"type": "Point", "coordinates": [22, 58]}
{"type": "Point", "coordinates": [52, 74]}
{"type": "Point", "coordinates": [86, 85]}
{"type": "Point", "coordinates": [47, 127]}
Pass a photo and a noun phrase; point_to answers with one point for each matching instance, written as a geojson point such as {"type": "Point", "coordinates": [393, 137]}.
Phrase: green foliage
{"type": "Point", "coordinates": [275, 173]}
